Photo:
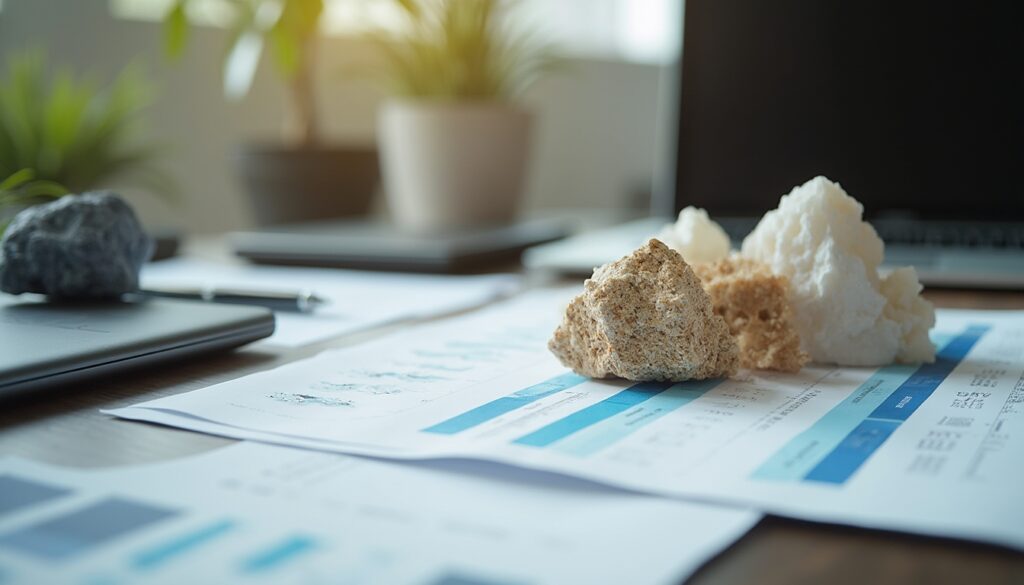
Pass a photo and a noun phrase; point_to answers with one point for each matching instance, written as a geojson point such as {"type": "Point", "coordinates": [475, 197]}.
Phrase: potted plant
{"type": "Point", "coordinates": [454, 143]}
{"type": "Point", "coordinates": [301, 178]}
{"type": "Point", "coordinates": [61, 133]}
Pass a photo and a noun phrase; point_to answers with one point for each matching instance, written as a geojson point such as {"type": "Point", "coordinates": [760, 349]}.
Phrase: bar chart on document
{"type": "Point", "coordinates": [573, 416]}
{"type": "Point", "coordinates": [890, 447]}
{"type": "Point", "coordinates": [269, 514]}
{"type": "Point", "coordinates": [885, 447]}
{"type": "Point", "coordinates": [95, 536]}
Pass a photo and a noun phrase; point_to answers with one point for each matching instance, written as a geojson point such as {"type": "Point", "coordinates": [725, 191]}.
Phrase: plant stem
{"type": "Point", "coordinates": [304, 97]}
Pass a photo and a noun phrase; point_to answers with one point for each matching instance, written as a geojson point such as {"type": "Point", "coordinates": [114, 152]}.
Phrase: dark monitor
{"type": "Point", "coordinates": [916, 108]}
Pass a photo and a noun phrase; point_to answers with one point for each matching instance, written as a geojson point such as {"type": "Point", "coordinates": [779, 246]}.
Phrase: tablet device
{"type": "Point", "coordinates": [372, 245]}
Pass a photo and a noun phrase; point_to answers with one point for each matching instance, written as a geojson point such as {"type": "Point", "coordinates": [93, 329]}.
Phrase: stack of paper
{"type": "Point", "coordinates": [356, 300]}
{"type": "Point", "coordinates": [259, 513]}
{"type": "Point", "coordinates": [932, 449]}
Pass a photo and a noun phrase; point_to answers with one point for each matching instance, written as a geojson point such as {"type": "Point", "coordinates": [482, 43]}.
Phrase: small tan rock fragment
{"type": "Point", "coordinates": [645, 317]}
{"type": "Point", "coordinates": [753, 301]}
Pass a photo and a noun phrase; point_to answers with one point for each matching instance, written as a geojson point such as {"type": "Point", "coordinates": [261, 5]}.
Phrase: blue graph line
{"type": "Point", "coordinates": [593, 414]}
{"type": "Point", "coordinates": [158, 555]}
{"type": "Point", "coordinates": [278, 554]}
{"type": "Point", "coordinates": [505, 404]}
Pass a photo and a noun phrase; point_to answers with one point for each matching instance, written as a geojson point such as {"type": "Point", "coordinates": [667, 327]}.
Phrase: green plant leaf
{"type": "Point", "coordinates": [293, 31]}
{"type": "Point", "coordinates": [49, 189]}
{"type": "Point", "coordinates": [411, 6]}
{"type": "Point", "coordinates": [17, 179]}
{"type": "Point", "coordinates": [458, 50]}
{"type": "Point", "coordinates": [176, 31]}
{"type": "Point", "coordinates": [21, 189]}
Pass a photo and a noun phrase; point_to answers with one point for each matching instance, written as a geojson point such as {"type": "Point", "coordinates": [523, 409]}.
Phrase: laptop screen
{"type": "Point", "coordinates": [916, 108]}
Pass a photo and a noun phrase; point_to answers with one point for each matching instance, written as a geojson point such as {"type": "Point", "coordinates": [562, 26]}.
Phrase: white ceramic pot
{"type": "Point", "coordinates": [449, 165]}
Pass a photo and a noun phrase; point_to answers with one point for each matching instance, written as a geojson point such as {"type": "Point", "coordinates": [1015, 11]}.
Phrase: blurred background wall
{"type": "Point", "coordinates": [594, 147]}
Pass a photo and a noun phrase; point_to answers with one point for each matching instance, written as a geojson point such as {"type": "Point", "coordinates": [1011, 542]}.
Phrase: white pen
{"type": "Point", "coordinates": [296, 302]}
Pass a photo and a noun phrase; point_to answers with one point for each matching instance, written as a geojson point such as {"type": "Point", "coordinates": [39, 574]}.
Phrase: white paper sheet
{"type": "Point", "coordinates": [260, 513]}
{"type": "Point", "coordinates": [356, 300]}
{"type": "Point", "coordinates": [933, 450]}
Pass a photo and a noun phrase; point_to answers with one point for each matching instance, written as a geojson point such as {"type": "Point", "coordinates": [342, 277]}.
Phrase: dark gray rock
{"type": "Point", "coordinates": [79, 246]}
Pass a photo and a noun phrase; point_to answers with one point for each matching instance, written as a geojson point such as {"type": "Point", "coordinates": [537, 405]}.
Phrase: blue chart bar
{"type": "Point", "coordinates": [799, 456]}
{"type": "Point", "coordinates": [80, 531]}
{"type": "Point", "coordinates": [842, 462]}
{"type": "Point", "coordinates": [157, 556]}
{"type": "Point", "coordinates": [612, 430]}
{"type": "Point", "coordinates": [852, 452]}
{"type": "Point", "coordinates": [278, 554]}
{"type": "Point", "coordinates": [592, 414]}
{"type": "Point", "coordinates": [505, 404]}
{"type": "Point", "coordinates": [17, 493]}
{"type": "Point", "coordinates": [912, 394]}
{"type": "Point", "coordinates": [460, 579]}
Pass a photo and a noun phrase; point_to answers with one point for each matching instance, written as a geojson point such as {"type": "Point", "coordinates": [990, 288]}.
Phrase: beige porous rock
{"type": "Point", "coordinates": [752, 300]}
{"type": "Point", "coordinates": [645, 317]}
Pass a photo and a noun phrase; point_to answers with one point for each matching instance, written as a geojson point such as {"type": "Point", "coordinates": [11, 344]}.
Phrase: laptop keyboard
{"type": "Point", "coordinates": [931, 234]}
{"type": "Point", "coordinates": [952, 234]}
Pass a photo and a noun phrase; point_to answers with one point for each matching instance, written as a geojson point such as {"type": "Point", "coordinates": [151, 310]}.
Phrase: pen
{"type": "Point", "coordinates": [295, 302]}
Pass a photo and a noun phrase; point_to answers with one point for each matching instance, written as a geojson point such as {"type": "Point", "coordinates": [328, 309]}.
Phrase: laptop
{"type": "Point", "coordinates": [44, 344]}
{"type": "Point", "coordinates": [915, 108]}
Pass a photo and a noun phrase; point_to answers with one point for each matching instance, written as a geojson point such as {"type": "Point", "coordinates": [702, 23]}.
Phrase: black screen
{"type": "Point", "coordinates": [913, 107]}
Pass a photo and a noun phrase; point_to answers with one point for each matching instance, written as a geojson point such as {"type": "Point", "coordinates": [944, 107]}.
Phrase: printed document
{"type": "Point", "coordinates": [932, 449]}
{"type": "Point", "coordinates": [356, 300]}
{"type": "Point", "coordinates": [266, 514]}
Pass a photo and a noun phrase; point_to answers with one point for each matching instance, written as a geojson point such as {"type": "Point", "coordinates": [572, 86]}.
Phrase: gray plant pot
{"type": "Point", "coordinates": [289, 185]}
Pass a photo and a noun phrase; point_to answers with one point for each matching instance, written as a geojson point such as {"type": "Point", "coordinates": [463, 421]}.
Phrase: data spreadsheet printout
{"type": "Point", "coordinates": [925, 448]}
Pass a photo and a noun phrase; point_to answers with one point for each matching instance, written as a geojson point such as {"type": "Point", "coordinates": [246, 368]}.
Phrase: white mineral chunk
{"type": "Point", "coordinates": [844, 312]}
{"type": "Point", "coordinates": [696, 237]}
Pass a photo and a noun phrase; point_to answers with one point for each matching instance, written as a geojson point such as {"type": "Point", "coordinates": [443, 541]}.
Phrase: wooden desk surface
{"type": "Point", "coordinates": [66, 428]}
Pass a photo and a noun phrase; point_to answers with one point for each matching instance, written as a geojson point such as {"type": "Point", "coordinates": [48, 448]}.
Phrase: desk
{"type": "Point", "coordinates": [66, 428]}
